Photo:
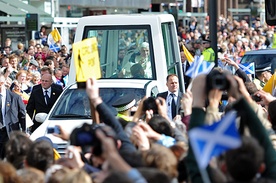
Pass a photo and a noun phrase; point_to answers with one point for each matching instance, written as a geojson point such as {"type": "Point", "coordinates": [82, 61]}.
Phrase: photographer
{"type": "Point", "coordinates": [106, 115]}
{"type": "Point", "coordinates": [235, 90]}
{"type": "Point", "coordinates": [149, 113]}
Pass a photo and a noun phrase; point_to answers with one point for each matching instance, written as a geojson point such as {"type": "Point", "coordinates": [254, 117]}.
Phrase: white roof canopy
{"type": "Point", "coordinates": [18, 8]}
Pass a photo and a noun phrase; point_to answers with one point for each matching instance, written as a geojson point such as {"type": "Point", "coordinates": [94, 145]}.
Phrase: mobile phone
{"type": "Point", "coordinates": [54, 129]}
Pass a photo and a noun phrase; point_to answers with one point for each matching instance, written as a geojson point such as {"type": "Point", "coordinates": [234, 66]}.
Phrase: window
{"type": "Point", "coordinates": [169, 47]}
{"type": "Point", "coordinates": [74, 102]}
{"type": "Point", "coordinates": [124, 53]}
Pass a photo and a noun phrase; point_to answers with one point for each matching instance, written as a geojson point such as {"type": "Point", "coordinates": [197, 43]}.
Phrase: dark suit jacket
{"type": "Point", "coordinates": [187, 79]}
{"type": "Point", "coordinates": [37, 102]}
{"type": "Point", "coordinates": [15, 112]}
{"type": "Point", "coordinates": [178, 104]}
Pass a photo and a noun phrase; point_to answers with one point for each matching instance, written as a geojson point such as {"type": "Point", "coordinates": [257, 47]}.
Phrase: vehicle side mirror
{"type": "Point", "coordinates": [40, 117]}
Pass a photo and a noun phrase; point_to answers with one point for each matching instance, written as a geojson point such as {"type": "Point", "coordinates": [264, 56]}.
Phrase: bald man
{"type": "Point", "coordinates": [42, 98]}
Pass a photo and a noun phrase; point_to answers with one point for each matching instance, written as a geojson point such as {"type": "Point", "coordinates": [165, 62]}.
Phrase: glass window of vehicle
{"type": "Point", "coordinates": [124, 52]}
{"type": "Point", "coordinates": [74, 103]}
{"type": "Point", "coordinates": [169, 46]}
{"type": "Point", "coordinates": [261, 60]}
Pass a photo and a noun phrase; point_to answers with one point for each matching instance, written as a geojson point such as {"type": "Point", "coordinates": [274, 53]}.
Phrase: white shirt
{"type": "Point", "coordinates": [4, 95]}
{"type": "Point", "coordinates": [169, 103]}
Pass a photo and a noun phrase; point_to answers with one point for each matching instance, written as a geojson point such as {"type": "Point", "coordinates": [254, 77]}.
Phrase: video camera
{"type": "Point", "coordinates": [86, 136]}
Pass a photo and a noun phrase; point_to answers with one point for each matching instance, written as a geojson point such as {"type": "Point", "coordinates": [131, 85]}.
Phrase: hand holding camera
{"type": "Point", "coordinates": [265, 97]}
{"type": "Point", "coordinates": [62, 133]}
{"type": "Point", "coordinates": [222, 81]}
{"type": "Point", "coordinates": [85, 136]}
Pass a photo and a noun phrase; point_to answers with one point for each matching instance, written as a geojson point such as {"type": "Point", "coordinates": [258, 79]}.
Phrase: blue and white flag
{"type": "Point", "coordinates": [199, 66]}
{"type": "Point", "coordinates": [248, 68]}
{"type": "Point", "coordinates": [210, 141]}
{"type": "Point", "coordinates": [54, 47]}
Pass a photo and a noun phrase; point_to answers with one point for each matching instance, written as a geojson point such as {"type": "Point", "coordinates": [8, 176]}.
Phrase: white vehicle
{"type": "Point", "coordinates": [126, 33]}
{"type": "Point", "coordinates": [116, 34]}
{"type": "Point", "coordinates": [72, 108]}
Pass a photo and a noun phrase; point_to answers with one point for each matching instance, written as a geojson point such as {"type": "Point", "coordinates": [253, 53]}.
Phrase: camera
{"type": "Point", "coordinates": [256, 98]}
{"type": "Point", "coordinates": [86, 136]}
{"type": "Point", "coordinates": [150, 104]}
{"type": "Point", "coordinates": [55, 130]}
{"type": "Point", "coordinates": [217, 80]}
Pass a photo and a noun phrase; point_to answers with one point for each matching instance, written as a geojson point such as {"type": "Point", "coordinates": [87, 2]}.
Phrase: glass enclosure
{"type": "Point", "coordinates": [75, 105]}
{"type": "Point", "coordinates": [124, 51]}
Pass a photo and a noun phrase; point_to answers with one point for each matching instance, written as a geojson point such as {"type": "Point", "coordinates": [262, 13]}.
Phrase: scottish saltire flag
{"type": "Point", "coordinates": [54, 38]}
{"type": "Point", "coordinates": [199, 66]}
{"type": "Point", "coordinates": [248, 68]}
{"type": "Point", "coordinates": [210, 141]}
{"type": "Point", "coordinates": [54, 47]}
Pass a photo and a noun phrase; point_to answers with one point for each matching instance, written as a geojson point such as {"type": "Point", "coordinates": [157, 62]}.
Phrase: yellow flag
{"type": "Point", "coordinates": [54, 37]}
{"type": "Point", "coordinates": [188, 55]}
{"type": "Point", "coordinates": [86, 58]}
{"type": "Point", "coordinates": [274, 41]}
{"type": "Point", "coordinates": [270, 85]}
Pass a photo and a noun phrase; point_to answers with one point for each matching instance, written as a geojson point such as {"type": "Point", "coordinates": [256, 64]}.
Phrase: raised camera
{"type": "Point", "coordinates": [85, 136]}
{"type": "Point", "coordinates": [256, 98]}
{"type": "Point", "coordinates": [217, 80]}
{"type": "Point", "coordinates": [55, 130]}
{"type": "Point", "coordinates": [150, 104]}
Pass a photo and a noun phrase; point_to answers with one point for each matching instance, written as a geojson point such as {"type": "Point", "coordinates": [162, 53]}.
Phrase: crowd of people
{"type": "Point", "coordinates": [153, 144]}
{"type": "Point", "coordinates": [234, 37]}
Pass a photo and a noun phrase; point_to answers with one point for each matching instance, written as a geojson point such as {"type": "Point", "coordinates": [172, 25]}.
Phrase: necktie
{"type": "Point", "coordinates": [1, 115]}
{"type": "Point", "coordinates": [47, 97]}
{"type": "Point", "coordinates": [184, 67]}
{"type": "Point", "coordinates": [173, 106]}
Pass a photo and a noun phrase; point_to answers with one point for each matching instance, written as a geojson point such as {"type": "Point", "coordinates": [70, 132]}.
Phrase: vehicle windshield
{"type": "Point", "coordinates": [124, 52]}
{"type": "Point", "coordinates": [74, 103]}
{"type": "Point", "coordinates": [261, 59]}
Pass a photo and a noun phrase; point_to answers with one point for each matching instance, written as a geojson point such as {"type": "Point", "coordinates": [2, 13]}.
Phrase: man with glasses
{"type": "Point", "coordinates": [42, 98]}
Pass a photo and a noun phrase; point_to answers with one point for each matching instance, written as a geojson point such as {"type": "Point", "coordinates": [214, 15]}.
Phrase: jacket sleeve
{"type": "Point", "coordinates": [31, 105]}
{"type": "Point", "coordinates": [258, 131]}
{"type": "Point", "coordinates": [197, 119]}
{"type": "Point", "coordinates": [21, 114]}
{"type": "Point", "coordinates": [242, 75]}
{"type": "Point", "coordinates": [109, 119]}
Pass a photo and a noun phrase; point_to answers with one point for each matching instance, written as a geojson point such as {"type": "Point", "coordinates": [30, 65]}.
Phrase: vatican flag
{"type": "Point", "coordinates": [54, 40]}
{"type": "Point", "coordinates": [188, 55]}
{"type": "Point", "coordinates": [54, 37]}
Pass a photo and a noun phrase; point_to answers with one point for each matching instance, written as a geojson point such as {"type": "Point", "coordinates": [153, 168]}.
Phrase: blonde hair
{"type": "Point", "coordinates": [162, 158]}
{"type": "Point", "coordinates": [76, 176]}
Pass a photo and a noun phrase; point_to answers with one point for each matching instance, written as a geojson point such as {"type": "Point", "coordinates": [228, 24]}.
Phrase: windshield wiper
{"type": "Point", "coordinates": [71, 116]}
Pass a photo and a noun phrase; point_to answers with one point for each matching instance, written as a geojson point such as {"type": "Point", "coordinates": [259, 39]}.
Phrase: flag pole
{"type": "Point", "coordinates": [204, 175]}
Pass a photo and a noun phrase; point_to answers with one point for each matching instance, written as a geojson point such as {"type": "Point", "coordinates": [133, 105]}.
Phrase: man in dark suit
{"type": "Point", "coordinates": [185, 67]}
{"type": "Point", "coordinates": [42, 98]}
{"type": "Point", "coordinates": [47, 70]}
{"type": "Point", "coordinates": [12, 114]}
{"type": "Point", "coordinates": [172, 96]}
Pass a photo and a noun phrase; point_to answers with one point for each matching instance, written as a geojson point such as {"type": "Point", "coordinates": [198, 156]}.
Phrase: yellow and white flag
{"type": "Point", "coordinates": [54, 37]}
{"type": "Point", "coordinates": [270, 85]}
{"type": "Point", "coordinates": [188, 55]}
